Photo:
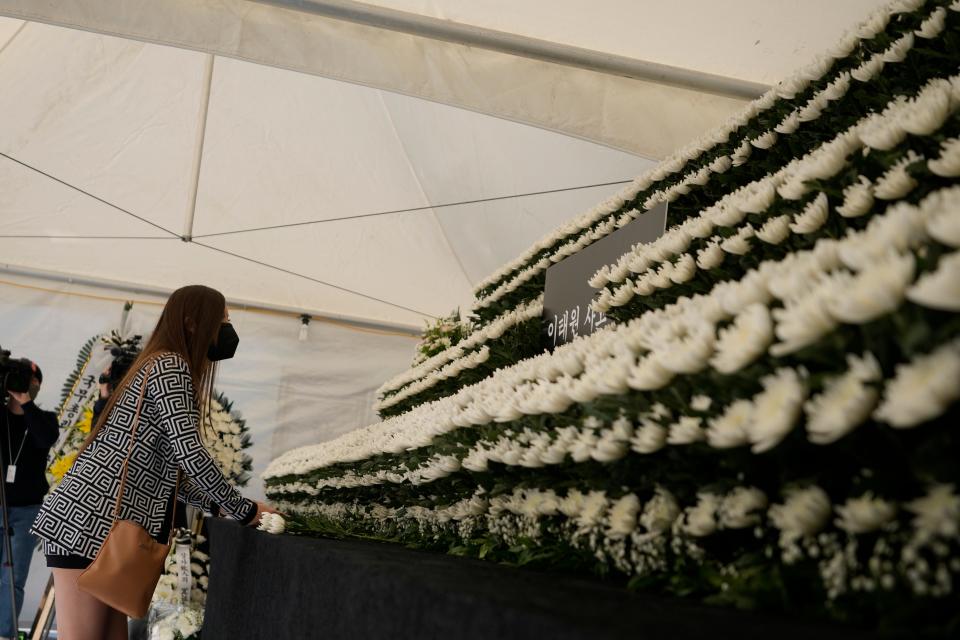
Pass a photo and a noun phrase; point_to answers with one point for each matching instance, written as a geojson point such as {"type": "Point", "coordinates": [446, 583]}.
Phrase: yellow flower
{"type": "Point", "coordinates": [62, 464]}
{"type": "Point", "coordinates": [86, 420]}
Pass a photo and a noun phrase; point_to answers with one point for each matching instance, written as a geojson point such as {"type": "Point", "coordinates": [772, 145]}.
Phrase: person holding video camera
{"type": "Point", "coordinates": [28, 434]}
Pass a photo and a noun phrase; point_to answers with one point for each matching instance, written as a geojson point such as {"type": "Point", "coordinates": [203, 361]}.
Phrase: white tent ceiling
{"type": "Point", "coordinates": [125, 119]}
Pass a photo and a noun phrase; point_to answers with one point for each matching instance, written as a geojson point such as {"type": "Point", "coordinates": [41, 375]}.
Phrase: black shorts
{"type": "Point", "coordinates": [68, 562]}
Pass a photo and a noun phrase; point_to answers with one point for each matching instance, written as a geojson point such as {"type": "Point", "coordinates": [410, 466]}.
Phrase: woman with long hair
{"type": "Point", "coordinates": [170, 380]}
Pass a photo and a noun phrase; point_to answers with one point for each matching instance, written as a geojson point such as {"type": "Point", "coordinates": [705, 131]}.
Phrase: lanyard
{"type": "Point", "coordinates": [10, 444]}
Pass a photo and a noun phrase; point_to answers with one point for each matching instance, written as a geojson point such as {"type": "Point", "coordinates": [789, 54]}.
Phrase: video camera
{"type": "Point", "coordinates": [122, 359]}
{"type": "Point", "coordinates": [15, 374]}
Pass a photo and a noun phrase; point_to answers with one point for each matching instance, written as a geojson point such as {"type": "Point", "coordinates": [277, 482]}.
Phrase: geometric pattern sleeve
{"type": "Point", "coordinates": [171, 388]}
{"type": "Point", "coordinates": [192, 495]}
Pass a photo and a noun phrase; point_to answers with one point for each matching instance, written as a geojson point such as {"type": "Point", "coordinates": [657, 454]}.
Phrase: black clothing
{"type": "Point", "coordinates": [37, 430]}
{"type": "Point", "coordinates": [68, 562]}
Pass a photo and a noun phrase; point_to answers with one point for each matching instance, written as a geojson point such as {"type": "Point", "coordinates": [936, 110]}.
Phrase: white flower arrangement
{"type": "Point", "coordinates": [751, 336]}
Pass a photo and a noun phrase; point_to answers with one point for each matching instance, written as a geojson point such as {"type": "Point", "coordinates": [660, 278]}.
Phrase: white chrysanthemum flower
{"type": "Point", "coordinates": [846, 401]}
{"type": "Point", "coordinates": [622, 519]}
{"type": "Point", "coordinates": [765, 141]}
{"type": "Point", "coordinates": [649, 438]}
{"type": "Point", "coordinates": [947, 164]}
{"type": "Point", "coordinates": [710, 256]}
{"type": "Point", "coordinates": [701, 403]}
{"type": "Point", "coordinates": [838, 88]}
{"type": "Point", "coordinates": [649, 374]}
{"type": "Point", "coordinates": [744, 340]}
{"type": "Point", "coordinates": [689, 352]}
{"type": "Point", "coordinates": [864, 514]}
{"type": "Point", "coordinates": [873, 25]}
{"type": "Point", "coordinates": [721, 164]}
{"type": "Point", "coordinates": [660, 512]}
{"type": "Point", "coordinates": [875, 291]}
{"type": "Point", "coordinates": [731, 429]}
{"type": "Point", "coordinates": [922, 389]}
{"type": "Point", "coordinates": [933, 25]}
{"type": "Point", "coordinates": [572, 504]}
{"type": "Point", "coordinates": [881, 132]}
{"type": "Point", "coordinates": [701, 519]}
{"type": "Point", "coordinates": [806, 319]}
{"type": "Point", "coordinates": [926, 113]}
{"type": "Point", "coordinates": [937, 514]}
{"type": "Point", "coordinates": [684, 269]}
{"type": "Point", "coordinates": [594, 508]}
{"type": "Point", "coordinates": [857, 198]}
{"type": "Point", "coordinates": [700, 227]}
{"type": "Point", "coordinates": [869, 69]}
{"type": "Point", "coordinates": [742, 507]}
{"type": "Point", "coordinates": [758, 196]}
{"type": "Point", "coordinates": [686, 430]}
{"type": "Point", "coordinates": [943, 220]}
{"type": "Point", "coordinates": [741, 154]}
{"type": "Point", "coordinates": [804, 513]}
{"type": "Point", "coordinates": [897, 182]}
{"type": "Point", "coordinates": [897, 52]}
{"type": "Point", "coordinates": [813, 216]}
{"type": "Point", "coordinates": [939, 289]}
{"type": "Point", "coordinates": [776, 408]}
{"type": "Point", "coordinates": [775, 230]}
{"type": "Point", "coordinates": [271, 523]}
{"type": "Point", "coordinates": [622, 295]}
{"type": "Point", "coordinates": [739, 243]}
{"type": "Point", "coordinates": [789, 124]}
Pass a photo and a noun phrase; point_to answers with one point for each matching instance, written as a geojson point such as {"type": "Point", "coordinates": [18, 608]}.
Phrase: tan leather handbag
{"type": "Point", "coordinates": [128, 566]}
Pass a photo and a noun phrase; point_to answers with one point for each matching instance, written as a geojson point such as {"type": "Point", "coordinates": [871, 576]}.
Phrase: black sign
{"type": "Point", "coordinates": [567, 294]}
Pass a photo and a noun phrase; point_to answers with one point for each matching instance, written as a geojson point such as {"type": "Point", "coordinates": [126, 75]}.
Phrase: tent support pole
{"type": "Point", "coordinates": [198, 149]}
{"type": "Point", "coordinates": [236, 303]}
{"type": "Point", "coordinates": [428, 27]}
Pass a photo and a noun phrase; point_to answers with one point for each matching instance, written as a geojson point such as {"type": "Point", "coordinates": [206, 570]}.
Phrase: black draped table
{"type": "Point", "coordinates": [268, 586]}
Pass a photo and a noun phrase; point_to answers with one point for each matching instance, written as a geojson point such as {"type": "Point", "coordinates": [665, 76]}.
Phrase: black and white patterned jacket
{"type": "Point", "coordinates": [77, 515]}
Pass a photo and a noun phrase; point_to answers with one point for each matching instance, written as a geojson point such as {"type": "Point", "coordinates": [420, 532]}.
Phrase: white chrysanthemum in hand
{"type": "Point", "coordinates": [776, 408]}
{"type": "Point", "coordinates": [813, 215]}
{"type": "Point", "coordinates": [937, 514]}
{"type": "Point", "coordinates": [805, 512]}
{"type": "Point", "coordinates": [939, 289]}
{"type": "Point", "coordinates": [701, 519]}
{"type": "Point", "coordinates": [864, 514]}
{"type": "Point", "coordinates": [922, 389]}
{"type": "Point", "coordinates": [732, 427]}
{"type": "Point", "coordinates": [745, 340]}
{"type": "Point", "coordinates": [622, 518]}
{"type": "Point", "coordinates": [846, 401]}
{"type": "Point", "coordinates": [272, 523]}
{"type": "Point", "coordinates": [897, 182]}
{"type": "Point", "coordinates": [857, 198]}
{"type": "Point", "coordinates": [741, 508]}
{"type": "Point", "coordinates": [660, 512]}
{"type": "Point", "coordinates": [875, 291]}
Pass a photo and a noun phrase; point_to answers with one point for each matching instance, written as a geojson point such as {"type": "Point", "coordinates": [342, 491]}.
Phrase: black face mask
{"type": "Point", "coordinates": [225, 345]}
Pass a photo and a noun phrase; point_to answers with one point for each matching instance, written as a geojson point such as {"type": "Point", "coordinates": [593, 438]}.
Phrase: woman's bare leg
{"type": "Point", "coordinates": [80, 616]}
{"type": "Point", "coordinates": [117, 626]}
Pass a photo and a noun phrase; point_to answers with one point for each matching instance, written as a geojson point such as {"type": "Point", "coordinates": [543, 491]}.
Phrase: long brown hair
{"type": "Point", "coordinates": [188, 326]}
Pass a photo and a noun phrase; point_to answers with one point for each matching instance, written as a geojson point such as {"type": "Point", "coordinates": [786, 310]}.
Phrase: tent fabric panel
{"type": "Point", "coordinates": [642, 117]}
